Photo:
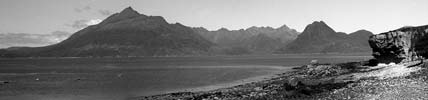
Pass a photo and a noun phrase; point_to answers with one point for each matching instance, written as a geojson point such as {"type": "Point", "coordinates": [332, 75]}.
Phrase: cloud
{"type": "Point", "coordinates": [31, 40]}
{"type": "Point", "coordinates": [105, 12]}
{"type": "Point", "coordinates": [86, 8]}
{"type": "Point", "coordinates": [79, 24]}
{"type": "Point", "coordinates": [93, 22]}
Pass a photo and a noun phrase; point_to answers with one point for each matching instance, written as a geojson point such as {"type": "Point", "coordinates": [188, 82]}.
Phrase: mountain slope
{"type": "Point", "coordinates": [127, 33]}
{"type": "Point", "coordinates": [318, 37]}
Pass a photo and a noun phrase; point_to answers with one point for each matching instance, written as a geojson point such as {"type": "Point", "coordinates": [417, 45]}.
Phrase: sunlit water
{"type": "Point", "coordinates": [122, 78]}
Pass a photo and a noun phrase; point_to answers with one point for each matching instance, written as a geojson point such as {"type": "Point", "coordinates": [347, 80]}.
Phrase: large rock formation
{"type": "Point", "coordinates": [401, 45]}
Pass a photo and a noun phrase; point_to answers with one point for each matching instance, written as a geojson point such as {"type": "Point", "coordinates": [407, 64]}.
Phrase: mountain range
{"type": "Point", "coordinates": [263, 40]}
{"type": "Point", "coordinates": [130, 33]}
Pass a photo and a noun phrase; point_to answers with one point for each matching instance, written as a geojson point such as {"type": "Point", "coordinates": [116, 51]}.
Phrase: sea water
{"type": "Point", "coordinates": [124, 78]}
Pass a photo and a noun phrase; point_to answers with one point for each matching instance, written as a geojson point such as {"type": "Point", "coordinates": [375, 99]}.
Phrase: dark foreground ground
{"type": "Point", "coordinates": [354, 80]}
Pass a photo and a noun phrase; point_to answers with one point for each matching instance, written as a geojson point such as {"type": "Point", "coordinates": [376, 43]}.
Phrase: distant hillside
{"type": "Point", "coordinates": [318, 37]}
{"type": "Point", "coordinates": [251, 40]}
{"type": "Point", "coordinates": [127, 33]}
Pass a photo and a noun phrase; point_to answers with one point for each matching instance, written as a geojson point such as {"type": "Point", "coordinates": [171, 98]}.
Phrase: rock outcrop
{"type": "Point", "coordinates": [401, 45]}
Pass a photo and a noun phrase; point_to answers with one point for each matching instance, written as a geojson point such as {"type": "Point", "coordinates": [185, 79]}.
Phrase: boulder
{"type": "Point", "coordinates": [314, 62]}
{"type": "Point", "coordinates": [401, 45]}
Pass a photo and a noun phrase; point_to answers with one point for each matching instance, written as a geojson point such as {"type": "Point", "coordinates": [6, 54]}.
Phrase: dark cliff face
{"type": "Point", "coordinates": [318, 37]}
{"type": "Point", "coordinates": [401, 45]}
{"type": "Point", "coordinates": [127, 33]}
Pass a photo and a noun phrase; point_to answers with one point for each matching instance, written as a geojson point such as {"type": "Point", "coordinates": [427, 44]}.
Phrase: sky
{"type": "Point", "coordinates": [49, 16]}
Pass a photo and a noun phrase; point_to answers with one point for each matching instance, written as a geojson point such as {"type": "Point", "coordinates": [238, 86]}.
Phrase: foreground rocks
{"type": "Point", "coordinates": [401, 45]}
{"type": "Point", "coordinates": [412, 86]}
{"type": "Point", "coordinates": [354, 80]}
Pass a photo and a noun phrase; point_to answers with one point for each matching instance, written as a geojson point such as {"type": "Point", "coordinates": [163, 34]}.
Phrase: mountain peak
{"type": "Point", "coordinates": [319, 23]}
{"type": "Point", "coordinates": [129, 11]}
{"type": "Point", "coordinates": [126, 13]}
{"type": "Point", "coordinates": [319, 27]}
{"type": "Point", "coordinates": [361, 33]}
{"type": "Point", "coordinates": [362, 30]}
{"type": "Point", "coordinates": [223, 29]}
{"type": "Point", "coordinates": [284, 27]}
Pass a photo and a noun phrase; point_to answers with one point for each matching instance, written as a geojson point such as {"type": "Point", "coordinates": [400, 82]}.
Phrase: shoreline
{"type": "Point", "coordinates": [283, 70]}
{"type": "Point", "coordinates": [239, 82]}
{"type": "Point", "coordinates": [259, 78]}
{"type": "Point", "coordinates": [202, 89]}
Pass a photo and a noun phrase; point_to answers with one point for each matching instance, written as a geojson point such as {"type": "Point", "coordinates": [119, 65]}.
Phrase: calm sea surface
{"type": "Point", "coordinates": [121, 78]}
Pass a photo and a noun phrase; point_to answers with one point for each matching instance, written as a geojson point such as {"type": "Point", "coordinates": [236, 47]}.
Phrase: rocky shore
{"type": "Point", "coordinates": [353, 80]}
